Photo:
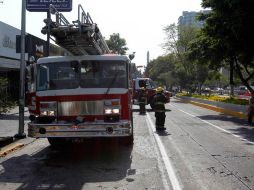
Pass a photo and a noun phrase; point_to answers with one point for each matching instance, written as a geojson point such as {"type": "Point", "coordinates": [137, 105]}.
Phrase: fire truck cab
{"type": "Point", "coordinates": [81, 97]}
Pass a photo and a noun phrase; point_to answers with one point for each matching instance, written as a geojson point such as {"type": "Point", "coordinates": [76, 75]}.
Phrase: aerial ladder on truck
{"type": "Point", "coordinates": [81, 37]}
{"type": "Point", "coordinates": [85, 95]}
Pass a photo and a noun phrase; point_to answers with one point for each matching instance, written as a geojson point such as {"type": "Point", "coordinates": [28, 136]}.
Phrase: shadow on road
{"type": "Point", "coordinates": [246, 133]}
{"type": "Point", "coordinates": [149, 110]}
{"type": "Point", "coordinates": [243, 128]}
{"type": "Point", "coordinates": [224, 117]}
{"type": "Point", "coordinates": [163, 133]}
{"type": "Point", "coordinates": [100, 161]}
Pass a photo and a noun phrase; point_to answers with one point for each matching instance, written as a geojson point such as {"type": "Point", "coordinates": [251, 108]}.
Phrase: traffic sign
{"type": "Point", "coordinates": [43, 5]}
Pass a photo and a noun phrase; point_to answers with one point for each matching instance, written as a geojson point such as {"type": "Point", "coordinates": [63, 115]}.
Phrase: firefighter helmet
{"type": "Point", "coordinates": [159, 89]}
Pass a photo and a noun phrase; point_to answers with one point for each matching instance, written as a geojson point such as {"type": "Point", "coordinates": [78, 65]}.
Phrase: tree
{"type": "Point", "coordinates": [187, 71]}
{"type": "Point", "coordinates": [157, 68]}
{"type": "Point", "coordinates": [170, 44]}
{"type": "Point", "coordinates": [116, 44]}
{"type": "Point", "coordinates": [229, 37]}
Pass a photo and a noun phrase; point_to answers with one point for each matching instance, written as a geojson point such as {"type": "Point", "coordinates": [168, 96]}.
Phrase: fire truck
{"type": "Point", "coordinates": [150, 88]}
{"type": "Point", "coordinates": [84, 95]}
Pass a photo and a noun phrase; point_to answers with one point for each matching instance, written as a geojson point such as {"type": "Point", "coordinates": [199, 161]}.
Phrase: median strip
{"type": "Point", "coordinates": [240, 115]}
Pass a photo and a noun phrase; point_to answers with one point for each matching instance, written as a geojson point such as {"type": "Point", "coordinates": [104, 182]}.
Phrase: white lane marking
{"type": "Point", "coordinates": [159, 159]}
{"type": "Point", "coordinates": [169, 168]}
{"type": "Point", "coordinates": [217, 127]}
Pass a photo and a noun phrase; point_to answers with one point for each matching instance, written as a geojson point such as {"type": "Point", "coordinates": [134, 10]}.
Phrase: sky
{"type": "Point", "coordinates": [139, 22]}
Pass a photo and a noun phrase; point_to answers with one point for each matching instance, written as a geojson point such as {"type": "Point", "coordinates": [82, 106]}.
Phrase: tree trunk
{"type": "Point", "coordinates": [244, 81]}
{"type": "Point", "coordinates": [199, 88]}
{"type": "Point", "coordinates": [231, 77]}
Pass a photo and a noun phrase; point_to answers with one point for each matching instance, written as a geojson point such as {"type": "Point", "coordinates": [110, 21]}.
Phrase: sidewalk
{"type": "Point", "coordinates": [9, 125]}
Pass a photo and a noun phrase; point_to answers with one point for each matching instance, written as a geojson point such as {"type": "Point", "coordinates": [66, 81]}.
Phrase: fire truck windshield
{"type": "Point", "coordinates": [84, 74]}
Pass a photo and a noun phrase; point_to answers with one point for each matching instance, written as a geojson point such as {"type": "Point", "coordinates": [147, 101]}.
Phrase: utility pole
{"type": "Point", "coordinates": [21, 134]}
{"type": "Point", "coordinates": [147, 57]}
{"type": "Point", "coordinates": [48, 32]}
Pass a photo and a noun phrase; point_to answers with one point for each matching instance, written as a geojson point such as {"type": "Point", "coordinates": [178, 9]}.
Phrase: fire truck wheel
{"type": "Point", "coordinates": [57, 143]}
{"type": "Point", "coordinates": [128, 141]}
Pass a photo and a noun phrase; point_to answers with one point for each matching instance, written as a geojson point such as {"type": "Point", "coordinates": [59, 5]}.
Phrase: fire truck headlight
{"type": "Point", "coordinates": [48, 113]}
{"type": "Point", "coordinates": [115, 111]}
{"type": "Point", "coordinates": [48, 108]}
{"type": "Point", "coordinates": [44, 113]}
{"type": "Point", "coordinates": [108, 111]}
{"type": "Point", "coordinates": [51, 113]}
{"type": "Point", "coordinates": [112, 111]}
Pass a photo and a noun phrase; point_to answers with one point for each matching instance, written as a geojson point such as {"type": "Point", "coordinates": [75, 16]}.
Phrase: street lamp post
{"type": "Point", "coordinates": [21, 133]}
{"type": "Point", "coordinates": [131, 56]}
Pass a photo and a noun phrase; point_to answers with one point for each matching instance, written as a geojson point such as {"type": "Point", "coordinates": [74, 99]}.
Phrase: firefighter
{"type": "Point", "coordinates": [142, 99]}
{"type": "Point", "coordinates": [251, 108]}
{"type": "Point", "coordinates": [159, 101]}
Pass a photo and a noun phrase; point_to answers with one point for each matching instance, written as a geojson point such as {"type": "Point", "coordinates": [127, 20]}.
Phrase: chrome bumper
{"type": "Point", "coordinates": [87, 129]}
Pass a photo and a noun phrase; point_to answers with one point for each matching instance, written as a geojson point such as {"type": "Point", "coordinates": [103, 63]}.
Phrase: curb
{"type": "Point", "coordinates": [5, 141]}
{"type": "Point", "coordinates": [240, 115]}
{"type": "Point", "coordinates": [9, 148]}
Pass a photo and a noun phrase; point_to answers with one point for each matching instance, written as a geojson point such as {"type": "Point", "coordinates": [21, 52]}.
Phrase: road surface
{"type": "Point", "coordinates": [201, 149]}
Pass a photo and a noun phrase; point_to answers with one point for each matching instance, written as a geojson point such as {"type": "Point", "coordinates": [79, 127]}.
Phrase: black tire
{"type": "Point", "coordinates": [57, 143]}
{"type": "Point", "coordinates": [127, 141]}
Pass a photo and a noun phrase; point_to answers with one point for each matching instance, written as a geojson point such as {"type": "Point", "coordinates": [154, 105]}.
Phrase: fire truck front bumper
{"type": "Point", "coordinates": [87, 129]}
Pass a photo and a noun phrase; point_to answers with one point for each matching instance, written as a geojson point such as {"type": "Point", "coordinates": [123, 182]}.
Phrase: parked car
{"type": "Point", "coordinates": [218, 90]}
{"type": "Point", "coordinates": [242, 90]}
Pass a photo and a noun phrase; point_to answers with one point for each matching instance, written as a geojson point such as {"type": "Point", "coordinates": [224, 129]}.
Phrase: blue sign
{"type": "Point", "coordinates": [43, 5]}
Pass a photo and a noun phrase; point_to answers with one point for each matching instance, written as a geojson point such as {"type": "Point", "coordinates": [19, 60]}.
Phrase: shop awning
{"type": "Point", "coordinates": [9, 64]}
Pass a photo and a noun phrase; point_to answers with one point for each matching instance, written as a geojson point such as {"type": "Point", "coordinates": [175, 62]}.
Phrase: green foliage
{"type": "Point", "coordinates": [227, 38]}
{"type": "Point", "coordinates": [161, 69]}
{"type": "Point", "coordinates": [182, 72]}
{"type": "Point", "coordinates": [5, 104]}
{"type": "Point", "coordinates": [116, 44]}
{"type": "Point", "coordinates": [232, 100]}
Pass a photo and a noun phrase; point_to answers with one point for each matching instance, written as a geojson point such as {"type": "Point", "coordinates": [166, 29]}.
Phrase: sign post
{"type": "Point", "coordinates": [21, 134]}
{"type": "Point", "coordinates": [33, 6]}
{"type": "Point", "coordinates": [43, 5]}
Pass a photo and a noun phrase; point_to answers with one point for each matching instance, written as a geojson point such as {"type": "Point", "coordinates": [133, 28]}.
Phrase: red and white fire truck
{"type": "Point", "coordinates": [81, 96]}
{"type": "Point", "coordinates": [150, 88]}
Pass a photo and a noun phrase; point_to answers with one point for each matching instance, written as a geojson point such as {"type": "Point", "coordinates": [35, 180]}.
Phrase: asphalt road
{"type": "Point", "coordinates": [200, 149]}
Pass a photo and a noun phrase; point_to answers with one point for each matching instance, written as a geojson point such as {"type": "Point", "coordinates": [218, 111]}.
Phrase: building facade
{"type": "Point", "coordinates": [10, 55]}
{"type": "Point", "coordinates": [190, 18]}
{"type": "Point", "coordinates": [9, 59]}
